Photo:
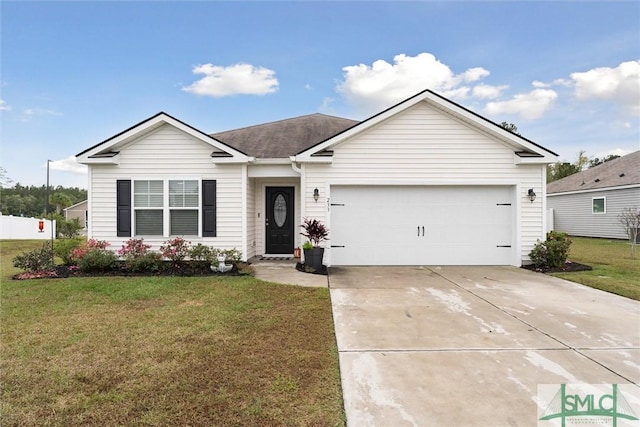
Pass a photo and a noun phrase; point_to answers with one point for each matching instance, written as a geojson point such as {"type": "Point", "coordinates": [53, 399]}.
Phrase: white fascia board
{"type": "Point", "coordinates": [443, 104]}
{"type": "Point", "coordinates": [306, 156]}
{"type": "Point", "coordinates": [594, 190]}
{"type": "Point", "coordinates": [231, 160]}
{"type": "Point", "coordinates": [272, 161]}
{"type": "Point", "coordinates": [533, 160]}
{"type": "Point", "coordinates": [150, 125]}
{"type": "Point", "coordinates": [114, 160]}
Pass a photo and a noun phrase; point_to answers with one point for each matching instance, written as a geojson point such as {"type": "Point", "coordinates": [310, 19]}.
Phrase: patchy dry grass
{"type": "Point", "coordinates": [614, 269]}
{"type": "Point", "coordinates": [165, 351]}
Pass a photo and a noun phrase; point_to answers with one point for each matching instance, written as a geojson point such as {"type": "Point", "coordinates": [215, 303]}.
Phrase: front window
{"type": "Point", "coordinates": [183, 203]}
{"type": "Point", "coordinates": [159, 203]}
{"type": "Point", "coordinates": [599, 205]}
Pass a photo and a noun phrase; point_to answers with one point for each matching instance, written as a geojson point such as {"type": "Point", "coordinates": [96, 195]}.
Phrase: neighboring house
{"type": "Point", "coordinates": [588, 203]}
{"type": "Point", "coordinates": [425, 182]}
{"type": "Point", "coordinates": [79, 212]}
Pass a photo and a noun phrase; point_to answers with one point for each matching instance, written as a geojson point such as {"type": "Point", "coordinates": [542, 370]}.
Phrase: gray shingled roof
{"type": "Point", "coordinates": [606, 175]}
{"type": "Point", "coordinates": [284, 138]}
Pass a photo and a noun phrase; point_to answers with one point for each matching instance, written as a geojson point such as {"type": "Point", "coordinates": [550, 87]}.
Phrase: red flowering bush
{"type": "Point", "coordinates": [175, 250]}
{"type": "Point", "coordinates": [94, 256]}
{"type": "Point", "coordinates": [138, 257]}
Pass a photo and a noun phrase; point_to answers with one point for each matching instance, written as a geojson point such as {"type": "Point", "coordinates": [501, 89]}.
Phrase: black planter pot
{"type": "Point", "coordinates": [313, 258]}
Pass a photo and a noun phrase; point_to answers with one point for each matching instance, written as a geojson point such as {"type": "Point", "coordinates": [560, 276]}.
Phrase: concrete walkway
{"type": "Point", "coordinates": [285, 272]}
{"type": "Point", "coordinates": [468, 346]}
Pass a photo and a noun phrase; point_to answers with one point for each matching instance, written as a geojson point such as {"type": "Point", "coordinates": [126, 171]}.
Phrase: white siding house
{"type": "Point", "coordinates": [588, 203]}
{"type": "Point", "coordinates": [426, 182]}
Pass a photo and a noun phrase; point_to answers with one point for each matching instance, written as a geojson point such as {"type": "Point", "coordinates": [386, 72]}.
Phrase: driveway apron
{"type": "Point", "coordinates": [469, 346]}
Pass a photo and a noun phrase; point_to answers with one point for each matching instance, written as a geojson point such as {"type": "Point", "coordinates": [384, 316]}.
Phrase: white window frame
{"type": "Point", "coordinates": [604, 211]}
{"type": "Point", "coordinates": [166, 209]}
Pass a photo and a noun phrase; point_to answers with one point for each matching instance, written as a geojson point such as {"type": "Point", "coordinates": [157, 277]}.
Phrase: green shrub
{"type": "Point", "coordinates": [138, 257]}
{"type": "Point", "coordinates": [68, 228]}
{"type": "Point", "coordinates": [175, 250]}
{"type": "Point", "coordinates": [231, 256]}
{"type": "Point", "coordinates": [98, 260]}
{"type": "Point", "coordinates": [202, 255]}
{"type": "Point", "coordinates": [64, 249]}
{"type": "Point", "coordinates": [553, 252]}
{"type": "Point", "coordinates": [35, 260]}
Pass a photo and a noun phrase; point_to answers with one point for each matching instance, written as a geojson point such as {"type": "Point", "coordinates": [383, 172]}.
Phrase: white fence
{"type": "Point", "coordinates": [16, 227]}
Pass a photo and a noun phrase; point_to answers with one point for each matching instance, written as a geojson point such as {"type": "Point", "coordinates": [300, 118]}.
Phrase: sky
{"type": "Point", "coordinates": [75, 73]}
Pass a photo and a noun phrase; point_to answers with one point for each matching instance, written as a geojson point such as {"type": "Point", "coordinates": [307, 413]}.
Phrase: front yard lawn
{"type": "Point", "coordinates": [614, 270]}
{"type": "Point", "coordinates": [136, 351]}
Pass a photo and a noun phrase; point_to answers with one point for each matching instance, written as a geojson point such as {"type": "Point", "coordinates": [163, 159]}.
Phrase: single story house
{"type": "Point", "coordinates": [425, 182]}
{"type": "Point", "coordinates": [79, 212]}
{"type": "Point", "coordinates": [588, 203]}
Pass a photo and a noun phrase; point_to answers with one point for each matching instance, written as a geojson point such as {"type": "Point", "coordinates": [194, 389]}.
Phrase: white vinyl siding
{"type": "Point", "coordinates": [168, 153]}
{"type": "Point", "coordinates": [573, 213]}
{"type": "Point", "coordinates": [424, 146]}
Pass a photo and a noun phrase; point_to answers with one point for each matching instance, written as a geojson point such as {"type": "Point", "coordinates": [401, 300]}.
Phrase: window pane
{"type": "Point", "coordinates": [183, 194]}
{"type": "Point", "coordinates": [155, 187]}
{"type": "Point", "coordinates": [598, 206]}
{"type": "Point", "coordinates": [148, 222]}
{"type": "Point", "coordinates": [148, 194]}
{"type": "Point", "coordinates": [191, 200]}
{"type": "Point", "coordinates": [184, 222]}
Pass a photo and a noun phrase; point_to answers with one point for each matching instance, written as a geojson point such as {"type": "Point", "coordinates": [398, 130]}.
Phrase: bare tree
{"type": "Point", "coordinates": [630, 220]}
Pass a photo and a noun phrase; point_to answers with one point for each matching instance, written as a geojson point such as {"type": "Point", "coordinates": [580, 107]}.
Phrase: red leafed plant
{"type": "Point", "coordinates": [315, 231]}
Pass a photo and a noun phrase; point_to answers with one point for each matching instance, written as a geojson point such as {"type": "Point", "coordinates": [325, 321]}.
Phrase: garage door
{"type": "Point", "coordinates": [408, 225]}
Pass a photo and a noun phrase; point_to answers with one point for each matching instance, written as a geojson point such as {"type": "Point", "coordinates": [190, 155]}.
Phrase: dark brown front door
{"type": "Point", "coordinates": [279, 220]}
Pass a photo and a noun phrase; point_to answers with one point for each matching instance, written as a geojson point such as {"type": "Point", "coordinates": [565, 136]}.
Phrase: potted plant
{"type": "Point", "coordinates": [316, 232]}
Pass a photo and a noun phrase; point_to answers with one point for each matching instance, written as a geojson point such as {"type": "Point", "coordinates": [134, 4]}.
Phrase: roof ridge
{"type": "Point", "coordinates": [281, 121]}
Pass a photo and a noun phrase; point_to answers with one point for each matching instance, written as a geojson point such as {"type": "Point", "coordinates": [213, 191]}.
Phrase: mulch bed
{"type": "Point", "coordinates": [568, 267]}
{"type": "Point", "coordinates": [184, 270]}
{"type": "Point", "coordinates": [308, 269]}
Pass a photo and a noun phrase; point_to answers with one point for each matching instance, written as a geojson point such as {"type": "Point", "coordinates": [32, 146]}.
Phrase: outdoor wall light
{"type": "Point", "coordinates": [531, 194]}
{"type": "Point", "coordinates": [316, 195]}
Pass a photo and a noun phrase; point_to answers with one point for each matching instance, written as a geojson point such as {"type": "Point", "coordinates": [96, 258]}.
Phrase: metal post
{"type": "Point", "coordinates": [46, 203]}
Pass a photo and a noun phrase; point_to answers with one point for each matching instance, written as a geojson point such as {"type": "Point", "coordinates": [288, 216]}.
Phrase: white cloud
{"type": "Point", "coordinates": [371, 88]}
{"type": "Point", "coordinates": [237, 79]}
{"type": "Point", "coordinates": [68, 165]}
{"type": "Point", "coordinates": [30, 113]}
{"type": "Point", "coordinates": [4, 106]}
{"type": "Point", "coordinates": [620, 84]}
{"type": "Point", "coordinates": [484, 91]}
{"type": "Point", "coordinates": [529, 106]}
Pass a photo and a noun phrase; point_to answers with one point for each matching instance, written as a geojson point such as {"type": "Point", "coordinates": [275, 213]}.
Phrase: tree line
{"type": "Point", "coordinates": [29, 201]}
{"type": "Point", "coordinates": [559, 170]}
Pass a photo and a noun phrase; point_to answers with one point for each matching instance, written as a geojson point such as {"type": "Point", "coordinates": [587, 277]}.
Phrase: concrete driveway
{"type": "Point", "coordinates": [468, 346]}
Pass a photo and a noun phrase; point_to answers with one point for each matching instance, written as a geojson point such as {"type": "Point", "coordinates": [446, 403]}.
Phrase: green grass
{"type": "Point", "coordinates": [137, 351]}
{"type": "Point", "coordinates": [614, 269]}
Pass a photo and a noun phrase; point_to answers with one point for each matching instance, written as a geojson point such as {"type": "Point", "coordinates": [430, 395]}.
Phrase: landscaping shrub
{"type": "Point", "coordinates": [68, 228]}
{"type": "Point", "coordinates": [35, 260]}
{"type": "Point", "coordinates": [137, 256]}
{"type": "Point", "coordinates": [553, 252]}
{"type": "Point", "coordinates": [94, 256]}
{"type": "Point", "coordinates": [63, 248]}
{"type": "Point", "coordinates": [230, 255]}
{"type": "Point", "coordinates": [175, 250]}
{"type": "Point", "coordinates": [202, 255]}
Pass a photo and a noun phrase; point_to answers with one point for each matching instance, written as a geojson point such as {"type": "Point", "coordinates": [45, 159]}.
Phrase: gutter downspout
{"type": "Point", "coordinates": [303, 187]}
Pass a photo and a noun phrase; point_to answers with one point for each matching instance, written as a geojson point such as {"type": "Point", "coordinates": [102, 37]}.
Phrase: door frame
{"type": "Point", "coordinates": [292, 208]}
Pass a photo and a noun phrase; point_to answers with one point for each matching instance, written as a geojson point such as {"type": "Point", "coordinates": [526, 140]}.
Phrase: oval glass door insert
{"type": "Point", "coordinates": [280, 210]}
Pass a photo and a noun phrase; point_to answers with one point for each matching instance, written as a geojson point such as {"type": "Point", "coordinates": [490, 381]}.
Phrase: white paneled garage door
{"type": "Point", "coordinates": [419, 225]}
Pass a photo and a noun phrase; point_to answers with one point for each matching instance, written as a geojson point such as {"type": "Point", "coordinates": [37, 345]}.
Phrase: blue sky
{"type": "Point", "coordinates": [75, 73]}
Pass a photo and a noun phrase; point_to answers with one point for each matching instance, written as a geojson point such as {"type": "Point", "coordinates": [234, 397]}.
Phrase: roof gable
{"type": "Point", "coordinates": [620, 172]}
{"type": "Point", "coordinates": [284, 138]}
{"type": "Point", "coordinates": [527, 150]}
{"type": "Point", "coordinates": [107, 150]}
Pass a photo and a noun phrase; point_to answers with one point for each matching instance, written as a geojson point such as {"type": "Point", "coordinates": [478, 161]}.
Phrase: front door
{"type": "Point", "coordinates": [279, 220]}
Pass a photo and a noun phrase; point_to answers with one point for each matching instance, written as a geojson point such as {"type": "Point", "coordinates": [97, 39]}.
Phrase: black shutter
{"type": "Point", "coordinates": [123, 217]}
{"type": "Point", "coordinates": [208, 208]}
